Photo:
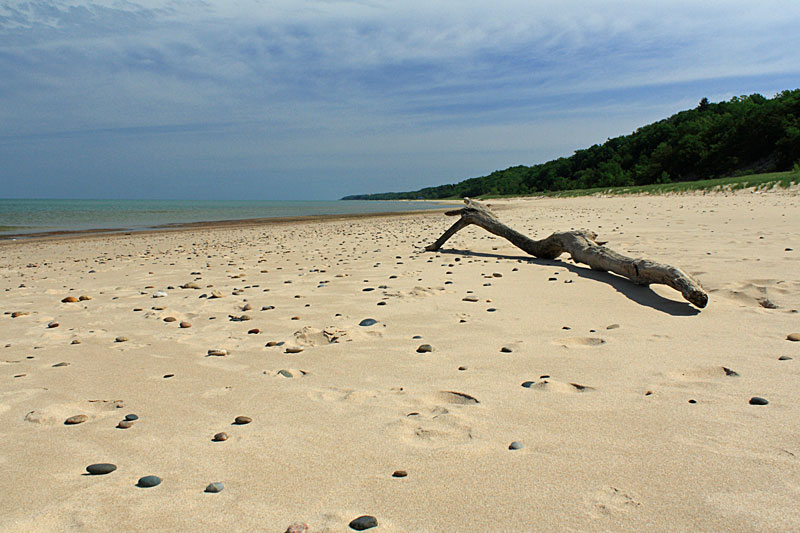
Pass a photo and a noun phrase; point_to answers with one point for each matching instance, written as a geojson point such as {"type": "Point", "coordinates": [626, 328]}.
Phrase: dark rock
{"type": "Point", "coordinates": [215, 487]}
{"type": "Point", "coordinates": [131, 417]}
{"type": "Point", "coordinates": [729, 372]}
{"type": "Point", "coordinates": [76, 419]}
{"type": "Point", "coordinates": [399, 473]}
{"type": "Point", "coordinates": [364, 522]}
{"type": "Point", "coordinates": [516, 445]}
{"type": "Point", "coordinates": [424, 348]}
{"type": "Point", "coordinates": [506, 349]}
{"type": "Point", "coordinates": [368, 322]}
{"type": "Point", "coordinates": [220, 437]}
{"type": "Point", "coordinates": [784, 358]}
{"type": "Point", "coordinates": [528, 384]}
{"type": "Point", "coordinates": [758, 400]}
{"type": "Point", "coordinates": [242, 420]}
{"type": "Point", "coordinates": [148, 481]}
{"type": "Point", "coordinates": [101, 469]}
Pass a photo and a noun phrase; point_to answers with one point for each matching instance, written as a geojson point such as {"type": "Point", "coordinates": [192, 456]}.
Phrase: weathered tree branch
{"type": "Point", "coordinates": [583, 248]}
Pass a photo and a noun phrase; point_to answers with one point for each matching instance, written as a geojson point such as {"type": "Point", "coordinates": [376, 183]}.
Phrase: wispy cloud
{"type": "Point", "coordinates": [308, 82]}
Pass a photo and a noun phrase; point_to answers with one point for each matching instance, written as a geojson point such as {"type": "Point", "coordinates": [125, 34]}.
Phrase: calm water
{"type": "Point", "coordinates": [33, 216]}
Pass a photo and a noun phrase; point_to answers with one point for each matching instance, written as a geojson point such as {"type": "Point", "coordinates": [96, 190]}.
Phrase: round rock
{"type": "Point", "coordinates": [185, 325]}
{"type": "Point", "coordinates": [76, 419]}
{"type": "Point", "coordinates": [424, 348]}
{"type": "Point", "coordinates": [364, 522]}
{"type": "Point", "coordinates": [101, 469]}
{"type": "Point", "coordinates": [215, 487]}
{"type": "Point", "coordinates": [125, 424]}
{"type": "Point", "coordinates": [221, 436]}
{"type": "Point", "coordinates": [148, 481]}
{"type": "Point", "coordinates": [131, 417]}
{"type": "Point", "coordinates": [758, 400]}
{"type": "Point", "coordinates": [242, 420]}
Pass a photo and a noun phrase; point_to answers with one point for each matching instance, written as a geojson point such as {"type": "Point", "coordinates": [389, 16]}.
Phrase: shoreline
{"type": "Point", "coordinates": [57, 235]}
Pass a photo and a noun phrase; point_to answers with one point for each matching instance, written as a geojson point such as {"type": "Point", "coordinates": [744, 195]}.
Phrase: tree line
{"type": "Point", "coordinates": [747, 134]}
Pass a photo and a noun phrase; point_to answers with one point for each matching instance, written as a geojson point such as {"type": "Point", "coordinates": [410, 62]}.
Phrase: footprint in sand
{"type": "Point", "coordinates": [580, 341]}
{"type": "Point", "coordinates": [379, 397]}
{"type": "Point", "coordinates": [611, 501]}
{"type": "Point", "coordinates": [701, 374]}
{"type": "Point", "coordinates": [431, 427]}
{"type": "Point", "coordinates": [56, 414]}
{"type": "Point", "coordinates": [551, 385]}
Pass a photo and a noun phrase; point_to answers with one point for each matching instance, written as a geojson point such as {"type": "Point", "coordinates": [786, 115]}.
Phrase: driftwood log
{"type": "Point", "coordinates": [582, 246]}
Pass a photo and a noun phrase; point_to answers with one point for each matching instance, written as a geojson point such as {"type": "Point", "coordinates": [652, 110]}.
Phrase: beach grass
{"type": "Point", "coordinates": [756, 181]}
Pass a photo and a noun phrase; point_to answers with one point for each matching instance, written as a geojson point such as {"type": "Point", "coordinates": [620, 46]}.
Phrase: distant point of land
{"type": "Point", "coordinates": [751, 141]}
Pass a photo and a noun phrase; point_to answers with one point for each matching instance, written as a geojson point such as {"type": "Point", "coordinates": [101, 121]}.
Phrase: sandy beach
{"type": "Point", "coordinates": [629, 408]}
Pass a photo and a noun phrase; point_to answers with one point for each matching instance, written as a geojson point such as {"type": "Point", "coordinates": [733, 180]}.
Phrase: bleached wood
{"type": "Point", "coordinates": [582, 246]}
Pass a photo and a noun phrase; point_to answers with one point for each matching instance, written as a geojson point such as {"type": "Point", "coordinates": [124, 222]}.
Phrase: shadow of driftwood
{"type": "Point", "coordinates": [639, 294]}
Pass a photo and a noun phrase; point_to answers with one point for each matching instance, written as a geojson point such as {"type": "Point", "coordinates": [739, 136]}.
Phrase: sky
{"type": "Point", "coordinates": [317, 99]}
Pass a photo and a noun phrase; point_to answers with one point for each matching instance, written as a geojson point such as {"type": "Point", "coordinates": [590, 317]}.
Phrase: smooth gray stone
{"type": "Point", "coordinates": [516, 445]}
{"type": "Point", "coordinates": [148, 481]}
{"type": "Point", "coordinates": [368, 322]}
{"type": "Point", "coordinates": [101, 469]}
{"type": "Point", "coordinates": [131, 417]}
{"type": "Point", "coordinates": [215, 487]}
{"type": "Point", "coordinates": [757, 400]}
{"type": "Point", "coordinates": [528, 384]}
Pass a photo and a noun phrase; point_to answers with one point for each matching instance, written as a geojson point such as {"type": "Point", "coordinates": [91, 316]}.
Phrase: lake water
{"type": "Point", "coordinates": [36, 216]}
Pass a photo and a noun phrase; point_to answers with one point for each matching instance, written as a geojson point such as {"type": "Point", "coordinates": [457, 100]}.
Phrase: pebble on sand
{"type": "Point", "coordinates": [794, 337]}
{"type": "Point", "coordinates": [424, 348]}
{"type": "Point", "coordinates": [293, 349]}
{"type": "Point", "coordinates": [399, 473]}
{"type": "Point", "coordinates": [121, 338]}
{"type": "Point", "coordinates": [148, 481]}
{"type": "Point", "coordinates": [364, 522]}
{"type": "Point", "coordinates": [242, 420]}
{"type": "Point", "coordinates": [516, 445]}
{"type": "Point", "coordinates": [101, 469]}
{"type": "Point", "coordinates": [254, 331]}
{"type": "Point", "coordinates": [170, 319]}
{"type": "Point", "coordinates": [368, 322]}
{"type": "Point", "coordinates": [53, 324]}
{"type": "Point", "coordinates": [131, 417]}
{"type": "Point", "coordinates": [69, 300]}
{"type": "Point", "coordinates": [84, 298]}
{"type": "Point", "coordinates": [76, 419]}
{"type": "Point", "coordinates": [758, 400]}
{"type": "Point", "coordinates": [215, 487]}
{"type": "Point", "coordinates": [218, 352]}
{"type": "Point", "coordinates": [506, 349]}
{"type": "Point", "coordinates": [185, 325]}
{"type": "Point", "coordinates": [125, 424]}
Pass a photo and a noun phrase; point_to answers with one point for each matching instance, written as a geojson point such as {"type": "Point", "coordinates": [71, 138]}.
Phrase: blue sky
{"type": "Point", "coordinates": [318, 99]}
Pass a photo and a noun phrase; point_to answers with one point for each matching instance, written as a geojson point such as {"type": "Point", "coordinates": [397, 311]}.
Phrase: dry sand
{"type": "Point", "coordinates": [631, 421]}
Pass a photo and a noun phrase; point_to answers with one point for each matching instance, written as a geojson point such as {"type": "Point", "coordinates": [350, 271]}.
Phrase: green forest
{"type": "Point", "coordinates": [745, 135]}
